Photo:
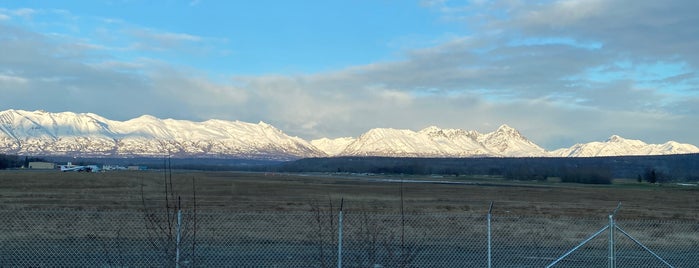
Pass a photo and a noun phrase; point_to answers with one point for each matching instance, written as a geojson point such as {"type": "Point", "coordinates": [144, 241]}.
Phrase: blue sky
{"type": "Point", "coordinates": [562, 72]}
{"type": "Point", "coordinates": [244, 37]}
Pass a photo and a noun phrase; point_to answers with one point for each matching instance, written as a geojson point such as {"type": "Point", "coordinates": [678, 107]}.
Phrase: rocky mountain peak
{"type": "Point", "coordinates": [616, 138]}
{"type": "Point", "coordinates": [507, 131]}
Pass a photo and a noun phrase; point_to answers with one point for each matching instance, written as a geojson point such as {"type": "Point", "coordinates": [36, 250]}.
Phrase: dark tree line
{"type": "Point", "coordinates": [653, 169]}
{"type": "Point", "coordinates": [597, 170]}
{"type": "Point", "coordinates": [652, 175]}
{"type": "Point", "coordinates": [10, 161]}
{"type": "Point", "coordinates": [16, 161]}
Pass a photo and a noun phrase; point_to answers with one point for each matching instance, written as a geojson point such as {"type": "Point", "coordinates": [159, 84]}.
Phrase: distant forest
{"type": "Point", "coordinates": [15, 161]}
{"type": "Point", "coordinates": [597, 170]}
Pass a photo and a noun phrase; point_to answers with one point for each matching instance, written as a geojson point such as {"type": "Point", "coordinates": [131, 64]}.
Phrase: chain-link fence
{"type": "Point", "coordinates": [62, 238]}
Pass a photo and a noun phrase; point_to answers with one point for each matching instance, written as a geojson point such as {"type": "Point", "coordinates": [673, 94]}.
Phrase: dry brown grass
{"type": "Point", "coordinates": [296, 192]}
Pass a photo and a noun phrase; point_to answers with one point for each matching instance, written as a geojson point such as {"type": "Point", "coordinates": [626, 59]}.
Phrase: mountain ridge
{"type": "Point", "coordinates": [84, 134]}
{"type": "Point", "coordinates": [88, 134]}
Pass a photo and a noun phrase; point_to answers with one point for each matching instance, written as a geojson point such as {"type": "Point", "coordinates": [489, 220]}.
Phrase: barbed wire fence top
{"type": "Point", "coordinates": [88, 238]}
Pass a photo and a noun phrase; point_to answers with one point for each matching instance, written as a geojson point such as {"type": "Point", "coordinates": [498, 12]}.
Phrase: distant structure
{"type": "Point", "coordinates": [42, 165]}
{"type": "Point", "coordinates": [137, 168]}
{"type": "Point", "coordinates": [89, 168]}
{"type": "Point", "coordinates": [113, 167]}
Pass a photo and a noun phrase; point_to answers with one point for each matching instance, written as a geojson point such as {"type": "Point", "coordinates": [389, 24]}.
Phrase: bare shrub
{"type": "Point", "coordinates": [368, 241]}
{"type": "Point", "coordinates": [172, 226]}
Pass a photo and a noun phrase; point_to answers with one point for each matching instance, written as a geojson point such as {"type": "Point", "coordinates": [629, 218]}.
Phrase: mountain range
{"type": "Point", "coordinates": [91, 135]}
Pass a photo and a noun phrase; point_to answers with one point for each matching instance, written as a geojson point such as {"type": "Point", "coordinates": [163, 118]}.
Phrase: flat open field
{"type": "Point", "coordinates": [238, 191]}
{"type": "Point", "coordinates": [76, 219]}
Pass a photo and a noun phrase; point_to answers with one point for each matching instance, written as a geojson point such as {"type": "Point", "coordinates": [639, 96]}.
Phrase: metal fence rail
{"type": "Point", "coordinates": [43, 238]}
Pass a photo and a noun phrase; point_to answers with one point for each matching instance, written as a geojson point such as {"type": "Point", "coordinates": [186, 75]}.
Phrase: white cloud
{"type": "Point", "coordinates": [432, 3]}
{"type": "Point", "coordinates": [164, 37]}
{"type": "Point", "coordinates": [561, 14]}
{"type": "Point", "coordinates": [10, 80]}
{"type": "Point", "coordinates": [24, 12]}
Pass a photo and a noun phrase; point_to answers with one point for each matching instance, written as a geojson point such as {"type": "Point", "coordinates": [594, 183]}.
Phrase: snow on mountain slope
{"type": "Point", "coordinates": [86, 134]}
{"type": "Point", "coordinates": [332, 147]}
{"type": "Point", "coordinates": [436, 142]}
{"type": "Point", "coordinates": [40, 132]}
{"type": "Point", "coordinates": [69, 133]}
{"type": "Point", "coordinates": [455, 142]}
{"type": "Point", "coordinates": [503, 142]}
{"type": "Point", "coordinates": [392, 142]}
{"type": "Point", "coordinates": [507, 141]}
{"type": "Point", "coordinates": [618, 146]}
{"type": "Point", "coordinates": [673, 147]}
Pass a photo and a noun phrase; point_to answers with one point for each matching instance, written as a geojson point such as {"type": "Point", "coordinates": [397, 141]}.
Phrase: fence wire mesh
{"type": "Point", "coordinates": [62, 238]}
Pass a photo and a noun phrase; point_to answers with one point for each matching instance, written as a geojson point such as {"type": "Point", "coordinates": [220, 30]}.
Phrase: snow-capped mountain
{"type": "Point", "coordinates": [618, 146]}
{"type": "Point", "coordinates": [436, 142]}
{"type": "Point", "coordinates": [85, 134]}
{"type": "Point", "coordinates": [508, 141]}
{"type": "Point", "coordinates": [332, 146]}
{"type": "Point", "coordinates": [90, 135]}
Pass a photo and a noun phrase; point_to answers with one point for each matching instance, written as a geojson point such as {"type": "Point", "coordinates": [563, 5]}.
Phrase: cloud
{"type": "Point", "coordinates": [651, 29]}
{"type": "Point", "coordinates": [24, 12]}
{"type": "Point", "coordinates": [292, 103]}
{"type": "Point", "coordinates": [164, 39]}
{"type": "Point", "coordinates": [432, 3]}
{"type": "Point", "coordinates": [563, 14]}
{"type": "Point", "coordinates": [56, 82]}
{"type": "Point", "coordinates": [560, 71]}
{"type": "Point", "coordinates": [8, 80]}
{"type": "Point", "coordinates": [116, 35]}
{"type": "Point", "coordinates": [550, 80]}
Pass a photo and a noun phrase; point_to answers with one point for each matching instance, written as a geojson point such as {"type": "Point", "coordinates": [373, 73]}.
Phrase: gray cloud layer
{"type": "Point", "coordinates": [543, 68]}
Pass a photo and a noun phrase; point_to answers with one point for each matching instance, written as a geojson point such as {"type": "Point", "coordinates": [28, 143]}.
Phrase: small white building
{"type": "Point", "coordinates": [113, 167]}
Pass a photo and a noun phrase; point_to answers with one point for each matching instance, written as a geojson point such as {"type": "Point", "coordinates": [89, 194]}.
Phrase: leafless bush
{"type": "Point", "coordinates": [324, 234]}
{"type": "Point", "coordinates": [368, 241]}
{"type": "Point", "coordinates": [172, 226]}
{"type": "Point", "coordinates": [381, 242]}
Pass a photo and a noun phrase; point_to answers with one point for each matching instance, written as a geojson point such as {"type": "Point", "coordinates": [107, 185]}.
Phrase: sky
{"type": "Point", "coordinates": [561, 72]}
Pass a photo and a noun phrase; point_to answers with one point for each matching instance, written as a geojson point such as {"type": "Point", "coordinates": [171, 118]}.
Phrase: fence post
{"type": "Point", "coordinates": [339, 235]}
{"type": "Point", "coordinates": [612, 254]}
{"type": "Point", "coordinates": [179, 235]}
{"type": "Point", "coordinates": [610, 226]}
{"type": "Point", "coordinates": [611, 241]}
{"type": "Point", "coordinates": [490, 263]}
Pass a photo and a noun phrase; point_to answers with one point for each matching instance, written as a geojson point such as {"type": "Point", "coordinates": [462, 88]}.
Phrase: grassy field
{"type": "Point", "coordinates": [126, 190]}
{"type": "Point", "coordinates": [76, 219]}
